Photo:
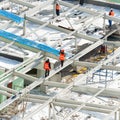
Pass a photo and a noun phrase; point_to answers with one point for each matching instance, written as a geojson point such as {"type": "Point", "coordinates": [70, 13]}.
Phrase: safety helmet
{"type": "Point", "coordinates": [62, 50]}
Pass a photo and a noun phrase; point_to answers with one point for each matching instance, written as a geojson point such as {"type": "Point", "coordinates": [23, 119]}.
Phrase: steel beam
{"type": "Point", "coordinates": [91, 12]}
{"type": "Point", "coordinates": [5, 93]}
{"type": "Point", "coordinates": [24, 76]}
{"type": "Point", "coordinates": [83, 9]}
{"type": "Point", "coordinates": [108, 92]}
{"type": "Point", "coordinates": [76, 34]}
{"type": "Point", "coordinates": [28, 48]}
{"type": "Point", "coordinates": [92, 65]}
{"type": "Point", "coordinates": [53, 72]}
{"type": "Point", "coordinates": [21, 2]}
{"type": "Point", "coordinates": [79, 35]}
{"type": "Point", "coordinates": [36, 9]}
{"type": "Point", "coordinates": [98, 92]}
{"type": "Point", "coordinates": [64, 103]}
{"type": "Point", "coordinates": [74, 104]}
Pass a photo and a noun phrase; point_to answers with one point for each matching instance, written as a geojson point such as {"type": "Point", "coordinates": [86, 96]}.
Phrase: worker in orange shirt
{"type": "Point", "coordinates": [62, 57]}
{"type": "Point", "coordinates": [57, 9]}
{"type": "Point", "coordinates": [47, 67]}
{"type": "Point", "coordinates": [111, 13]}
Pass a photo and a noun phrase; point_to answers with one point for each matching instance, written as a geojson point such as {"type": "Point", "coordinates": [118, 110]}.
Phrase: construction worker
{"type": "Point", "coordinates": [111, 13]}
{"type": "Point", "coordinates": [81, 2]}
{"type": "Point", "coordinates": [57, 9]}
{"type": "Point", "coordinates": [47, 67]}
{"type": "Point", "coordinates": [103, 49]}
{"type": "Point", "coordinates": [62, 57]}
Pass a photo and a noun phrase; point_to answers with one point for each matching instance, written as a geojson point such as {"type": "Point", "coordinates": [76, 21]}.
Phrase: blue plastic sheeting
{"type": "Point", "coordinates": [28, 42]}
{"type": "Point", "coordinates": [11, 16]}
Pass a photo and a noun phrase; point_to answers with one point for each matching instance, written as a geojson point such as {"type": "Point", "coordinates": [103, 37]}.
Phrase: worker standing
{"type": "Point", "coordinates": [57, 9]}
{"type": "Point", "coordinates": [47, 67]}
{"type": "Point", "coordinates": [111, 13]}
{"type": "Point", "coordinates": [81, 2]}
{"type": "Point", "coordinates": [62, 57]}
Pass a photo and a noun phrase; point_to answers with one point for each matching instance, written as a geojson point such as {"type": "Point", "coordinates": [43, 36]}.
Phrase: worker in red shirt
{"type": "Point", "coordinates": [111, 13]}
{"type": "Point", "coordinates": [57, 9]}
{"type": "Point", "coordinates": [62, 57]}
{"type": "Point", "coordinates": [47, 67]}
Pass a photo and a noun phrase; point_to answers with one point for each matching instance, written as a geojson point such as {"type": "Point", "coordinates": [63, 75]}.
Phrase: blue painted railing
{"type": "Point", "coordinates": [11, 16]}
{"type": "Point", "coordinates": [28, 42]}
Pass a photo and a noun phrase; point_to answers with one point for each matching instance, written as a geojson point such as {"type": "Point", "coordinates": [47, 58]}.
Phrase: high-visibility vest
{"type": "Point", "coordinates": [57, 7]}
{"type": "Point", "coordinates": [46, 66]}
{"type": "Point", "coordinates": [62, 56]}
{"type": "Point", "coordinates": [111, 13]}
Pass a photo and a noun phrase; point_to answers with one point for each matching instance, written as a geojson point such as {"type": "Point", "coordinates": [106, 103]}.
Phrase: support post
{"type": "Point", "coordinates": [54, 116]}
{"type": "Point", "coordinates": [119, 115]}
{"type": "Point", "coordinates": [104, 29]}
{"type": "Point", "coordinates": [49, 111]}
{"type": "Point", "coordinates": [54, 7]}
{"type": "Point", "coordinates": [76, 44]}
{"type": "Point", "coordinates": [115, 116]}
{"type": "Point", "coordinates": [24, 25]}
{"type": "Point", "coordinates": [39, 74]}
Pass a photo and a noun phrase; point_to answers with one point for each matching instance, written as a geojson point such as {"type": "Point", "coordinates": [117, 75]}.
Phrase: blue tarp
{"type": "Point", "coordinates": [28, 42]}
{"type": "Point", "coordinates": [11, 16]}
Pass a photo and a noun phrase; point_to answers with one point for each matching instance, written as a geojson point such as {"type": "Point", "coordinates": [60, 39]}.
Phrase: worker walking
{"type": "Point", "coordinates": [47, 67]}
{"type": "Point", "coordinates": [57, 9]}
{"type": "Point", "coordinates": [62, 57]}
{"type": "Point", "coordinates": [111, 13]}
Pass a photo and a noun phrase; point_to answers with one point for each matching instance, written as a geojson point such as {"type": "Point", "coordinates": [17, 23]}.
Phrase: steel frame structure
{"type": "Point", "coordinates": [30, 63]}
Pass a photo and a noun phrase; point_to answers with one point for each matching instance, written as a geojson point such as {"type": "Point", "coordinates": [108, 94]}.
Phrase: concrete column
{"type": "Point", "coordinates": [57, 77]}
{"type": "Point", "coordinates": [40, 73]}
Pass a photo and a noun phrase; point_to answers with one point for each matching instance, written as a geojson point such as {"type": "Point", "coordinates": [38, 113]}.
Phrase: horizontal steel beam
{"type": "Point", "coordinates": [90, 64]}
{"type": "Point", "coordinates": [37, 9]}
{"type": "Point", "coordinates": [24, 76]}
{"type": "Point", "coordinates": [108, 92]}
{"type": "Point", "coordinates": [63, 103]}
{"type": "Point", "coordinates": [76, 34]}
{"type": "Point", "coordinates": [83, 9]}
{"type": "Point", "coordinates": [28, 48]}
{"type": "Point", "coordinates": [79, 35]}
{"type": "Point", "coordinates": [74, 104]}
{"type": "Point", "coordinates": [21, 2]}
{"type": "Point", "coordinates": [91, 12]}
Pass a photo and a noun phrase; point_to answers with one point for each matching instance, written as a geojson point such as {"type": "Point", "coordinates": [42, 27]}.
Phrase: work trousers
{"type": "Point", "coordinates": [57, 12]}
{"type": "Point", "coordinates": [47, 72]}
{"type": "Point", "coordinates": [110, 23]}
{"type": "Point", "coordinates": [62, 61]}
